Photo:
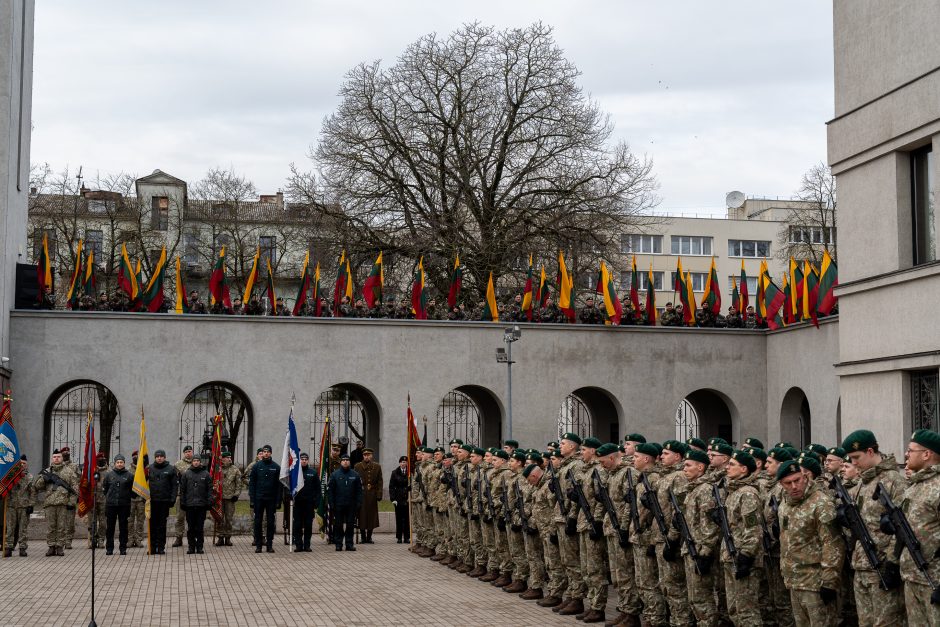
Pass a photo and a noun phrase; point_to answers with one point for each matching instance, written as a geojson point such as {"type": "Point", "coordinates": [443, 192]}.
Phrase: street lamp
{"type": "Point", "coordinates": [504, 356]}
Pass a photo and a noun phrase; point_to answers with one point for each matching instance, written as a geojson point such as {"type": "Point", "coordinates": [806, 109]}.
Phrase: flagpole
{"type": "Point", "coordinates": [96, 476]}
{"type": "Point", "coordinates": [290, 514]}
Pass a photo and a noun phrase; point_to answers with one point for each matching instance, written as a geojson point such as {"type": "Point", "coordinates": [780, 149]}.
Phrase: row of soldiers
{"type": "Point", "coordinates": [692, 532]}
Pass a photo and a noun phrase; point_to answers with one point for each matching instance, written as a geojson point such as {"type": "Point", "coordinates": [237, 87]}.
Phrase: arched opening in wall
{"type": "Point", "coordinates": [590, 411]}
{"type": "Point", "coordinates": [353, 414]}
{"type": "Point", "coordinates": [198, 416]}
{"type": "Point", "coordinates": [458, 417]}
{"type": "Point", "coordinates": [796, 418]}
{"type": "Point", "coordinates": [66, 416]}
{"type": "Point", "coordinates": [686, 421]}
{"type": "Point", "coordinates": [713, 412]}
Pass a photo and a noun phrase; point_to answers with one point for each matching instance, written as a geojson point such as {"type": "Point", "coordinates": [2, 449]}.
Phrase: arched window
{"type": "Point", "coordinates": [66, 417]}
{"type": "Point", "coordinates": [198, 415]}
{"type": "Point", "coordinates": [575, 417]}
{"type": "Point", "coordinates": [686, 421]}
{"type": "Point", "coordinates": [458, 417]}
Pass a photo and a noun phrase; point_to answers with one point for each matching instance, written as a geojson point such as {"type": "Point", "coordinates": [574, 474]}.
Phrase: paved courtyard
{"type": "Point", "coordinates": [379, 584]}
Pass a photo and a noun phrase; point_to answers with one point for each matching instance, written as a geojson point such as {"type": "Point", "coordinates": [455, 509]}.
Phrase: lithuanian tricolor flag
{"type": "Point", "coordinates": [634, 286]}
{"type": "Point", "coordinates": [542, 294]}
{"type": "Point", "coordinates": [565, 284]}
{"type": "Point", "coordinates": [761, 312]}
{"type": "Point", "coordinates": [456, 281]}
{"type": "Point", "coordinates": [126, 278]}
{"type": "Point", "coordinates": [305, 285]}
{"type": "Point", "coordinates": [490, 310]}
{"type": "Point", "coordinates": [605, 287]}
{"type": "Point", "coordinates": [796, 287]}
{"type": "Point", "coordinates": [527, 292]}
{"type": "Point", "coordinates": [339, 288]}
{"type": "Point", "coordinates": [372, 287]}
{"type": "Point", "coordinates": [745, 301]}
{"type": "Point", "coordinates": [182, 299]}
{"type": "Point", "coordinates": [153, 295]}
{"type": "Point", "coordinates": [44, 267]}
{"type": "Point", "coordinates": [90, 283]}
{"type": "Point", "coordinates": [317, 301]}
{"type": "Point", "coordinates": [788, 317]}
{"type": "Point", "coordinates": [810, 293]}
{"type": "Point", "coordinates": [828, 279]}
{"type": "Point", "coordinates": [419, 295]}
{"type": "Point", "coordinates": [689, 308]}
{"type": "Point", "coordinates": [218, 288]}
{"type": "Point", "coordinates": [773, 302]}
{"type": "Point", "coordinates": [272, 296]}
{"type": "Point", "coordinates": [735, 296]}
{"type": "Point", "coordinates": [252, 277]}
{"type": "Point", "coordinates": [711, 300]}
{"type": "Point", "coordinates": [650, 299]}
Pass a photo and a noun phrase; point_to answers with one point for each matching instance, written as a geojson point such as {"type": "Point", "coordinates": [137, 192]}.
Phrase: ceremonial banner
{"type": "Point", "coordinates": [215, 470]}
{"type": "Point", "coordinates": [291, 476]}
{"type": "Point", "coordinates": [86, 488]}
{"type": "Point", "coordinates": [11, 470]}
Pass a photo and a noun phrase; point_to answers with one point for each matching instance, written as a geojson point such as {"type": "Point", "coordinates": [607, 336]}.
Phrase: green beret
{"type": "Point", "coordinates": [449, 456]}
{"type": "Point", "coordinates": [512, 443]}
{"type": "Point", "coordinates": [698, 443]}
{"type": "Point", "coordinates": [757, 453]}
{"type": "Point", "coordinates": [546, 455]}
{"type": "Point", "coordinates": [478, 451]}
{"type": "Point", "coordinates": [697, 455]}
{"type": "Point", "coordinates": [189, 448]}
{"type": "Point", "coordinates": [753, 443]}
{"type": "Point", "coordinates": [426, 449]}
{"type": "Point", "coordinates": [779, 454]}
{"type": "Point", "coordinates": [456, 441]}
{"type": "Point", "coordinates": [607, 449]}
{"type": "Point", "coordinates": [532, 451]}
{"type": "Point", "coordinates": [439, 449]}
{"type": "Point", "coordinates": [649, 448]}
{"type": "Point", "coordinates": [818, 449]}
{"type": "Point", "coordinates": [783, 445]}
{"type": "Point", "coordinates": [793, 452]}
{"type": "Point", "coordinates": [837, 451]}
{"type": "Point", "coordinates": [528, 470]}
{"type": "Point", "coordinates": [810, 463]}
{"type": "Point", "coordinates": [501, 454]}
{"type": "Point", "coordinates": [859, 441]}
{"type": "Point", "coordinates": [519, 456]}
{"type": "Point", "coordinates": [574, 437]}
{"type": "Point", "coordinates": [716, 440]}
{"type": "Point", "coordinates": [557, 454]}
{"type": "Point", "coordinates": [928, 439]}
{"type": "Point", "coordinates": [467, 447]}
{"type": "Point", "coordinates": [553, 444]}
{"type": "Point", "coordinates": [226, 454]}
{"type": "Point", "coordinates": [787, 468]}
{"type": "Point", "coordinates": [745, 459]}
{"type": "Point", "coordinates": [722, 448]}
{"type": "Point", "coordinates": [675, 446]}
{"type": "Point", "coordinates": [635, 437]}
{"type": "Point", "coordinates": [591, 442]}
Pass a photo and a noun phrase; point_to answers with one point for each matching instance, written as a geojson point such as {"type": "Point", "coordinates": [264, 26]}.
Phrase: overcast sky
{"type": "Point", "coordinates": [722, 95]}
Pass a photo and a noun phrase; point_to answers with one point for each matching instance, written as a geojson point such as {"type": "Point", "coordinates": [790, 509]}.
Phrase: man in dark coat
{"type": "Point", "coordinates": [164, 484]}
{"type": "Point", "coordinates": [358, 454]}
{"type": "Point", "coordinates": [345, 494]}
{"type": "Point", "coordinates": [196, 495]}
{"type": "Point", "coordinates": [398, 493]}
{"type": "Point", "coordinates": [305, 505]}
{"type": "Point", "coordinates": [372, 486]}
{"type": "Point", "coordinates": [117, 503]}
{"type": "Point", "coordinates": [264, 492]}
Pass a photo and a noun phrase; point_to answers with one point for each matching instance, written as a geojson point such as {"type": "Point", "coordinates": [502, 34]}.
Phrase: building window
{"type": "Point", "coordinates": [925, 406]}
{"type": "Point", "coordinates": [698, 280]}
{"type": "Point", "coordinates": [97, 206]}
{"type": "Point", "coordinates": [645, 244]}
{"type": "Point", "coordinates": [924, 219]}
{"type": "Point", "coordinates": [268, 245]}
{"type": "Point", "coordinates": [93, 243]}
{"type": "Point", "coordinates": [748, 248]}
{"type": "Point", "coordinates": [160, 213]}
{"type": "Point", "coordinates": [751, 285]}
{"type": "Point", "coordinates": [812, 235]}
{"type": "Point", "coordinates": [51, 242]}
{"type": "Point", "coordinates": [644, 281]}
{"type": "Point", "coordinates": [691, 245]}
{"type": "Point", "coordinates": [191, 248]}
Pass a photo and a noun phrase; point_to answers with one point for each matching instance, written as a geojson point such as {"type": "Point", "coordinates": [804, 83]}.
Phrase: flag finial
{"type": "Point", "coordinates": [293, 399]}
{"type": "Point", "coordinates": [7, 396]}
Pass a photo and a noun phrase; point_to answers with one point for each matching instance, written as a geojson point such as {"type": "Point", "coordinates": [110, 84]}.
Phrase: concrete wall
{"type": "Point", "coordinates": [156, 360]}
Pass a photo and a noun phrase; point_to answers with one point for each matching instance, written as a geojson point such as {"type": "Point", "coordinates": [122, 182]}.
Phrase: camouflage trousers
{"type": "Point", "coordinates": [441, 525]}
{"type": "Point", "coordinates": [520, 563]}
{"type": "Point", "coordinates": [69, 533]}
{"type": "Point", "coordinates": [622, 576]}
{"type": "Point", "coordinates": [180, 521]}
{"type": "Point", "coordinates": [418, 528]}
{"type": "Point", "coordinates": [57, 519]}
{"type": "Point", "coordinates": [503, 553]}
{"type": "Point", "coordinates": [743, 598]}
{"type": "Point", "coordinates": [135, 523]}
{"type": "Point", "coordinates": [225, 525]}
{"type": "Point", "coordinates": [100, 521]}
{"type": "Point", "coordinates": [809, 610]}
{"type": "Point", "coordinates": [460, 532]}
{"type": "Point", "coordinates": [569, 549]}
{"type": "Point", "coordinates": [594, 570]}
{"type": "Point", "coordinates": [554, 569]}
{"type": "Point", "coordinates": [777, 602]}
{"type": "Point", "coordinates": [876, 607]}
{"type": "Point", "coordinates": [427, 521]}
{"type": "Point", "coordinates": [536, 559]}
{"type": "Point", "coordinates": [845, 609]}
{"type": "Point", "coordinates": [477, 549]}
{"type": "Point", "coordinates": [488, 531]}
{"type": "Point", "coordinates": [647, 581]}
{"type": "Point", "coordinates": [17, 527]}
{"type": "Point", "coordinates": [701, 590]}
{"type": "Point", "coordinates": [672, 585]}
{"type": "Point", "coordinates": [919, 609]}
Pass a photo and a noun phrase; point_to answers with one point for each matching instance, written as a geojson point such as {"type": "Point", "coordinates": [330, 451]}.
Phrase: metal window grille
{"type": "Point", "coordinates": [686, 421]}
{"type": "Point", "coordinates": [925, 408]}
{"type": "Point", "coordinates": [574, 416]}
{"type": "Point", "coordinates": [198, 415]}
{"type": "Point", "coordinates": [68, 417]}
{"type": "Point", "coordinates": [347, 419]}
{"type": "Point", "coordinates": [458, 417]}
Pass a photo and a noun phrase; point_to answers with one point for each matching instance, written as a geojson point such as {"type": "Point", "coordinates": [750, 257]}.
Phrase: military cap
{"type": "Point", "coordinates": [697, 455]}
{"type": "Point", "coordinates": [757, 453]}
{"type": "Point", "coordinates": [607, 449]}
{"type": "Point", "coordinates": [259, 449]}
{"type": "Point", "coordinates": [635, 437]}
{"type": "Point", "coordinates": [159, 453]}
{"type": "Point", "coordinates": [189, 448]}
{"type": "Point", "coordinates": [267, 448]}
{"type": "Point", "coordinates": [518, 456]}
{"type": "Point", "coordinates": [649, 448]}
{"type": "Point", "coordinates": [100, 455]}
{"type": "Point", "coordinates": [65, 450]}
{"type": "Point", "coordinates": [302, 456]}
{"type": "Point", "coordinates": [860, 440]}
{"type": "Point", "coordinates": [574, 437]}
{"type": "Point", "coordinates": [56, 452]}
{"type": "Point", "coordinates": [501, 454]}
{"type": "Point", "coordinates": [401, 459]}
{"type": "Point", "coordinates": [456, 441]}
{"type": "Point", "coordinates": [722, 448]}
{"type": "Point", "coordinates": [675, 446]}
{"type": "Point", "coordinates": [745, 459]}
{"type": "Point", "coordinates": [787, 468]}
{"type": "Point", "coordinates": [532, 451]}
{"type": "Point", "coordinates": [546, 455]}
{"type": "Point", "coordinates": [556, 454]}
{"type": "Point", "coordinates": [783, 445]}
{"type": "Point", "coordinates": [528, 470]}
{"type": "Point", "coordinates": [591, 442]}
{"type": "Point", "coordinates": [928, 439]}
{"type": "Point", "coordinates": [753, 443]}
{"type": "Point", "coordinates": [23, 458]}
{"type": "Point", "coordinates": [438, 449]}
{"type": "Point", "coordinates": [810, 463]}
{"type": "Point", "coordinates": [818, 449]}
{"type": "Point", "coordinates": [512, 443]}
{"type": "Point", "coordinates": [792, 451]}
{"type": "Point", "coordinates": [837, 451]}
{"type": "Point", "coordinates": [368, 450]}
{"type": "Point", "coordinates": [448, 456]}
{"type": "Point", "coordinates": [335, 447]}
{"type": "Point", "coordinates": [119, 457]}
{"type": "Point", "coordinates": [533, 457]}
{"type": "Point", "coordinates": [479, 451]}
{"type": "Point", "coordinates": [553, 444]}
{"type": "Point", "coordinates": [467, 447]}
{"type": "Point", "coordinates": [229, 454]}
{"type": "Point", "coordinates": [716, 440]}
{"type": "Point", "coordinates": [698, 443]}
{"type": "Point", "coordinates": [135, 452]}
{"type": "Point", "coordinates": [344, 456]}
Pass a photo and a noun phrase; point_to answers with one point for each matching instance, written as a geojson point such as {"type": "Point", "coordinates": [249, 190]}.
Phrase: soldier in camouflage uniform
{"type": "Point", "coordinates": [668, 562]}
{"type": "Point", "coordinates": [920, 507]}
{"type": "Point", "coordinates": [18, 508]}
{"type": "Point", "coordinates": [544, 509]}
{"type": "Point", "coordinates": [568, 541]}
{"type": "Point", "coordinates": [744, 508]}
{"type": "Point", "coordinates": [97, 515]}
{"type": "Point", "coordinates": [875, 605]}
{"type": "Point", "coordinates": [475, 470]}
{"type": "Point", "coordinates": [644, 540]}
{"type": "Point", "coordinates": [460, 515]}
{"type": "Point", "coordinates": [592, 544]}
{"type": "Point", "coordinates": [70, 516]}
{"type": "Point", "coordinates": [719, 452]}
{"type": "Point", "coordinates": [514, 535]}
{"type": "Point", "coordinates": [419, 505]}
{"type": "Point", "coordinates": [488, 518]}
{"type": "Point", "coordinates": [59, 503]}
{"type": "Point", "coordinates": [135, 523]}
{"type": "Point", "coordinates": [437, 518]}
{"type": "Point", "coordinates": [532, 478]}
{"type": "Point", "coordinates": [697, 505]}
{"type": "Point", "coordinates": [811, 548]}
{"type": "Point", "coordinates": [589, 314]}
{"type": "Point", "coordinates": [181, 467]}
{"type": "Point", "coordinates": [620, 555]}
{"type": "Point", "coordinates": [498, 484]}
{"type": "Point", "coordinates": [778, 602]}
{"type": "Point", "coordinates": [231, 489]}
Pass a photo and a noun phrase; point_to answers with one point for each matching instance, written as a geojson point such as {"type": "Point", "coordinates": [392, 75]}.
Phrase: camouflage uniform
{"type": "Point", "coordinates": [620, 558]}
{"type": "Point", "coordinates": [416, 499]}
{"type": "Point", "coordinates": [437, 521]}
{"type": "Point", "coordinates": [569, 545]}
{"type": "Point", "coordinates": [70, 513]}
{"type": "Point", "coordinates": [459, 517]}
{"type": "Point", "coordinates": [593, 552]}
{"type": "Point", "coordinates": [777, 602]}
{"type": "Point", "coordinates": [672, 574]}
{"type": "Point", "coordinates": [478, 548]}
{"type": "Point", "coordinates": [135, 522]}
{"type": "Point", "coordinates": [57, 501]}
{"type": "Point", "coordinates": [231, 488]}
{"type": "Point", "coordinates": [98, 514]}
{"type": "Point", "coordinates": [876, 606]}
{"type": "Point", "coordinates": [920, 507]}
{"type": "Point", "coordinates": [531, 538]}
{"type": "Point", "coordinates": [516, 539]}
{"type": "Point", "coordinates": [744, 507]}
{"type": "Point", "coordinates": [181, 467]}
{"type": "Point", "coordinates": [697, 505]}
{"type": "Point", "coordinates": [499, 480]}
{"type": "Point", "coordinates": [811, 555]}
{"type": "Point", "coordinates": [644, 558]}
{"type": "Point", "coordinates": [544, 507]}
{"type": "Point", "coordinates": [488, 528]}
{"type": "Point", "coordinates": [22, 496]}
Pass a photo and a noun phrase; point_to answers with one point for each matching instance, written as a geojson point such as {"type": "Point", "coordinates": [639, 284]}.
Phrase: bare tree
{"type": "Point", "coordinates": [480, 143]}
{"type": "Point", "coordinates": [811, 228]}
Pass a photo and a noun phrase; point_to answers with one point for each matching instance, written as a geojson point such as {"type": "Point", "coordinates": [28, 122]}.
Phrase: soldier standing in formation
{"type": "Point", "coordinates": [196, 496]}
{"type": "Point", "coordinates": [372, 486]}
{"type": "Point", "coordinates": [398, 494]}
{"type": "Point", "coordinates": [345, 494]}
{"type": "Point", "coordinates": [18, 508]}
{"type": "Point", "coordinates": [60, 484]}
{"type": "Point", "coordinates": [231, 489]}
{"type": "Point", "coordinates": [96, 517]}
{"type": "Point", "coordinates": [264, 492]}
{"type": "Point", "coordinates": [70, 516]}
{"type": "Point", "coordinates": [181, 467]}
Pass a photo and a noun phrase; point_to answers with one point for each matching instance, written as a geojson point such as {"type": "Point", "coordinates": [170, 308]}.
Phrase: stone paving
{"type": "Point", "coordinates": [379, 584]}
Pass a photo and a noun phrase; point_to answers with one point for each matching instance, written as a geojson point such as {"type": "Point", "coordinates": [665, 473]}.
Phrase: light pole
{"type": "Point", "coordinates": [504, 355]}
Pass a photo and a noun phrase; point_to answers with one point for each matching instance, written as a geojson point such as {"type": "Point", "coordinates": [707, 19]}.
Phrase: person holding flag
{"type": "Point", "coordinates": [306, 502]}
{"type": "Point", "coordinates": [231, 489]}
{"type": "Point", "coordinates": [18, 507]}
{"type": "Point", "coordinates": [264, 492]}
{"type": "Point", "coordinates": [290, 475]}
{"type": "Point", "coordinates": [12, 474]}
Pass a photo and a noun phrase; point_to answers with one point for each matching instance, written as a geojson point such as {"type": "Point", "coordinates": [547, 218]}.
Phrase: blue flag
{"type": "Point", "coordinates": [11, 470]}
{"type": "Point", "coordinates": [291, 476]}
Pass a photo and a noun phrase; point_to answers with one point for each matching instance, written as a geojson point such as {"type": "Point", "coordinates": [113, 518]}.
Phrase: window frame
{"type": "Point", "coordinates": [677, 251]}
{"type": "Point", "coordinates": [739, 253]}
{"type": "Point", "coordinates": [923, 208]}
{"type": "Point", "coordinates": [159, 214]}
{"type": "Point", "coordinates": [627, 244]}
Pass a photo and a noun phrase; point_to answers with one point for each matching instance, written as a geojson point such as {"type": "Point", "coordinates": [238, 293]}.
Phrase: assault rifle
{"type": "Point", "coordinates": [555, 486]}
{"type": "Point", "coordinates": [489, 501]}
{"type": "Point", "coordinates": [631, 501]}
{"type": "Point", "coordinates": [682, 526]}
{"type": "Point", "coordinates": [851, 518]}
{"type": "Point", "coordinates": [604, 496]}
{"type": "Point", "coordinates": [507, 513]}
{"type": "Point", "coordinates": [720, 516]}
{"type": "Point", "coordinates": [450, 478]}
{"type": "Point", "coordinates": [520, 508]}
{"type": "Point", "coordinates": [651, 502]}
{"type": "Point", "coordinates": [775, 525]}
{"type": "Point", "coordinates": [467, 491]}
{"type": "Point", "coordinates": [595, 533]}
{"type": "Point", "coordinates": [424, 490]}
{"type": "Point", "coordinates": [901, 528]}
{"type": "Point", "coordinates": [50, 477]}
{"type": "Point", "coordinates": [479, 484]}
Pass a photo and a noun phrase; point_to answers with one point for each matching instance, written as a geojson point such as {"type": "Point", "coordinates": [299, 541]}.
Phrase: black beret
{"type": "Point", "coordinates": [745, 459]}
{"type": "Point", "coordinates": [697, 443]}
{"type": "Point", "coordinates": [607, 449]}
{"type": "Point", "coordinates": [502, 454]}
{"type": "Point", "coordinates": [753, 443]}
{"type": "Point", "coordinates": [649, 448]}
{"type": "Point", "coordinates": [512, 443]}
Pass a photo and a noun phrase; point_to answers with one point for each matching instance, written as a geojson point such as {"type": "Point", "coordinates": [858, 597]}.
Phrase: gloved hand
{"type": "Point", "coordinates": [828, 595]}
{"type": "Point", "coordinates": [935, 597]}
{"type": "Point", "coordinates": [234, 499]}
{"type": "Point", "coordinates": [886, 526]}
{"type": "Point", "coordinates": [841, 517]}
{"type": "Point", "coordinates": [597, 531]}
{"type": "Point", "coordinates": [645, 500]}
{"type": "Point", "coordinates": [553, 539]}
{"type": "Point", "coordinates": [531, 531]}
{"type": "Point", "coordinates": [29, 510]}
{"type": "Point", "coordinates": [501, 524]}
{"type": "Point", "coordinates": [743, 565]}
{"type": "Point", "coordinates": [713, 514]}
{"type": "Point", "coordinates": [70, 508]}
{"type": "Point", "coordinates": [703, 563]}
{"type": "Point", "coordinates": [891, 573]}
{"type": "Point", "coordinates": [571, 526]}
{"type": "Point", "coordinates": [516, 528]}
{"type": "Point", "coordinates": [671, 551]}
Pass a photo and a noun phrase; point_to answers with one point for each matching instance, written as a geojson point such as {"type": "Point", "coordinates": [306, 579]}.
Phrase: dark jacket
{"type": "Point", "coordinates": [345, 489]}
{"type": "Point", "coordinates": [310, 493]}
{"type": "Point", "coordinates": [117, 486]}
{"type": "Point", "coordinates": [398, 486]}
{"type": "Point", "coordinates": [196, 488]}
{"type": "Point", "coordinates": [264, 484]}
{"type": "Point", "coordinates": [164, 482]}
